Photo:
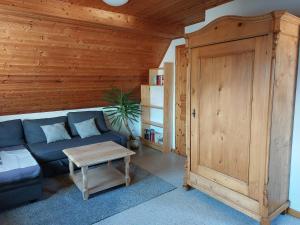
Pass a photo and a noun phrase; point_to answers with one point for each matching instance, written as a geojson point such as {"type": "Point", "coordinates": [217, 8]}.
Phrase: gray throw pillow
{"type": "Point", "coordinates": [77, 117]}
{"type": "Point", "coordinates": [33, 131]}
{"type": "Point", "coordinates": [87, 128]}
{"type": "Point", "coordinates": [55, 132]}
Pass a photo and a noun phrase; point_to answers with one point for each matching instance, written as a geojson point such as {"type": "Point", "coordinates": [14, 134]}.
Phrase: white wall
{"type": "Point", "coordinates": [295, 169]}
{"type": "Point", "coordinates": [170, 55]}
{"type": "Point", "coordinates": [253, 8]}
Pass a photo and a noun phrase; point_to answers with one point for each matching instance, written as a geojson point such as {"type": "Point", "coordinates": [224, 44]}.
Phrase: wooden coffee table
{"type": "Point", "coordinates": [98, 178]}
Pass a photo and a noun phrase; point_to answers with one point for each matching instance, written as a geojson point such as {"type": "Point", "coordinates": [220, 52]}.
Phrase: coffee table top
{"type": "Point", "coordinates": [89, 155]}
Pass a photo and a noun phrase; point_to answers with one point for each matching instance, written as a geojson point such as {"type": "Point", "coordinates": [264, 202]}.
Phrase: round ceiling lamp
{"type": "Point", "coordinates": [115, 2]}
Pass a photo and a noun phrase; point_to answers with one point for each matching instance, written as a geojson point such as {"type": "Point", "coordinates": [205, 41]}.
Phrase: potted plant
{"type": "Point", "coordinates": [123, 111]}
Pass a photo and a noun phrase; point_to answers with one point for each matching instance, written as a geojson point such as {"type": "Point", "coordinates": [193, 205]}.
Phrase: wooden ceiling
{"type": "Point", "coordinates": [184, 12]}
{"type": "Point", "coordinates": [163, 18]}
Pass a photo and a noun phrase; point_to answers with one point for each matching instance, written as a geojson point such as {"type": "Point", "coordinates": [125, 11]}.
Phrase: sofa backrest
{"type": "Point", "coordinates": [14, 132]}
{"type": "Point", "coordinates": [76, 117]}
{"type": "Point", "coordinates": [11, 133]}
{"type": "Point", "coordinates": [33, 131]}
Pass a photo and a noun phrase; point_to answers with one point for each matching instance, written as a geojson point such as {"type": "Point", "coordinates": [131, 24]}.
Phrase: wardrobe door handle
{"type": "Point", "coordinates": [194, 113]}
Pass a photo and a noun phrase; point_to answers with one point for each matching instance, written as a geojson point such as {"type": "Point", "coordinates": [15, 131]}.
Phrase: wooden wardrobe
{"type": "Point", "coordinates": [240, 104]}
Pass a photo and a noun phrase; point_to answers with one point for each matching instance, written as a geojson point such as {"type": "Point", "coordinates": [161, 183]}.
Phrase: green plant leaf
{"type": "Point", "coordinates": [123, 108]}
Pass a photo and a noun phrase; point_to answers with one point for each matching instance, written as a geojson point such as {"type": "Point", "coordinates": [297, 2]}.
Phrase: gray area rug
{"type": "Point", "coordinates": [63, 203]}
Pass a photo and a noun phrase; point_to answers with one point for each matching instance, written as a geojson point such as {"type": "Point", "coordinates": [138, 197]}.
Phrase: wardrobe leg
{"type": "Point", "coordinates": [186, 187]}
{"type": "Point", "coordinates": [265, 221]}
{"type": "Point", "coordinates": [285, 212]}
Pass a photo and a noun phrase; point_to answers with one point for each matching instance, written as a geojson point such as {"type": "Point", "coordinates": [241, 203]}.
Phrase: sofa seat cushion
{"type": "Point", "coordinates": [44, 152]}
{"type": "Point", "coordinates": [17, 164]}
{"type": "Point", "coordinates": [123, 138]}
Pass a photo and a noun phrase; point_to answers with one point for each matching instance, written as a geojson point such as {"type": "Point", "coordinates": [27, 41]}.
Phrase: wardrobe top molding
{"type": "Point", "coordinates": [231, 28]}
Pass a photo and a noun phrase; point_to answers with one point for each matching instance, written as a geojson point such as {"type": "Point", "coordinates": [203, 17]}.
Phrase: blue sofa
{"type": "Point", "coordinates": [50, 156]}
{"type": "Point", "coordinates": [28, 134]}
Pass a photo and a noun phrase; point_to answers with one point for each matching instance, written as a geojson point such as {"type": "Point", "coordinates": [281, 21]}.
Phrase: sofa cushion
{"type": "Point", "coordinates": [76, 117]}
{"type": "Point", "coordinates": [44, 152]}
{"type": "Point", "coordinates": [87, 128]}
{"type": "Point", "coordinates": [11, 133]}
{"type": "Point", "coordinates": [123, 138]}
{"type": "Point", "coordinates": [17, 164]}
{"type": "Point", "coordinates": [33, 131]}
{"type": "Point", "coordinates": [55, 132]}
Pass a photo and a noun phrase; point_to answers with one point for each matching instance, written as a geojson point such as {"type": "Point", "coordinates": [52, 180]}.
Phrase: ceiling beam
{"type": "Point", "coordinates": [58, 10]}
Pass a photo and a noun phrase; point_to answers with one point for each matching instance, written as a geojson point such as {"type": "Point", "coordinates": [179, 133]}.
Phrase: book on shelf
{"type": "Point", "coordinates": [157, 80]}
{"type": "Point", "coordinates": [152, 136]}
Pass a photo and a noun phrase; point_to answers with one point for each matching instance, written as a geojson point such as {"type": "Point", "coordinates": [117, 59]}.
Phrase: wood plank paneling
{"type": "Point", "coordinates": [63, 54]}
{"type": "Point", "coordinates": [89, 16]}
{"type": "Point", "coordinates": [163, 11]}
{"type": "Point", "coordinates": [225, 79]}
{"type": "Point", "coordinates": [181, 76]}
{"type": "Point", "coordinates": [168, 106]}
{"type": "Point", "coordinates": [50, 65]}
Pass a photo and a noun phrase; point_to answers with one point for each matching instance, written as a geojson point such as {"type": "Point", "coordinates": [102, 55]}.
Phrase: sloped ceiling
{"type": "Point", "coordinates": [183, 12]}
{"type": "Point", "coordinates": [164, 18]}
{"type": "Point", "coordinates": [59, 54]}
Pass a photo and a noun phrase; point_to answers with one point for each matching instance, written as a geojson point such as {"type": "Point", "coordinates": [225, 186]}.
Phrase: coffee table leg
{"type": "Point", "coordinates": [85, 192]}
{"type": "Point", "coordinates": [71, 168]}
{"type": "Point", "coordinates": [127, 176]}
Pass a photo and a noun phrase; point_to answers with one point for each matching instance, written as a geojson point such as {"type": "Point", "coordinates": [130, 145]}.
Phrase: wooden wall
{"type": "Point", "coordinates": [180, 120]}
{"type": "Point", "coordinates": [50, 65]}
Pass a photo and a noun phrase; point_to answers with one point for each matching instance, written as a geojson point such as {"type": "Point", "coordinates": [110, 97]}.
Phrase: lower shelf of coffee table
{"type": "Point", "coordinates": [100, 178]}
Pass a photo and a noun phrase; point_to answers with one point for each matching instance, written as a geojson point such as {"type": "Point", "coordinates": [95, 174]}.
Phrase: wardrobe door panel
{"type": "Point", "coordinates": [225, 101]}
{"type": "Point", "coordinates": [223, 78]}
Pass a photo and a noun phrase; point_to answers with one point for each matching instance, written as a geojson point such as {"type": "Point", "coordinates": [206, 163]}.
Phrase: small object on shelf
{"type": "Point", "coordinates": [146, 134]}
{"type": "Point", "coordinates": [158, 138]}
{"type": "Point", "coordinates": [161, 141]}
{"type": "Point", "coordinates": [159, 80]}
{"type": "Point", "coordinates": [152, 135]}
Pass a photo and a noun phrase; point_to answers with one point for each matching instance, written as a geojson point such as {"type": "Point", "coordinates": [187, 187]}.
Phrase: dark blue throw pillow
{"type": "Point", "coordinates": [77, 117]}
{"type": "Point", "coordinates": [11, 133]}
{"type": "Point", "coordinates": [33, 131]}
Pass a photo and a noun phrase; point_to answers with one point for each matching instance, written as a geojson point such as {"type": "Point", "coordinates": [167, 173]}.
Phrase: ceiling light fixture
{"type": "Point", "coordinates": [115, 2]}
